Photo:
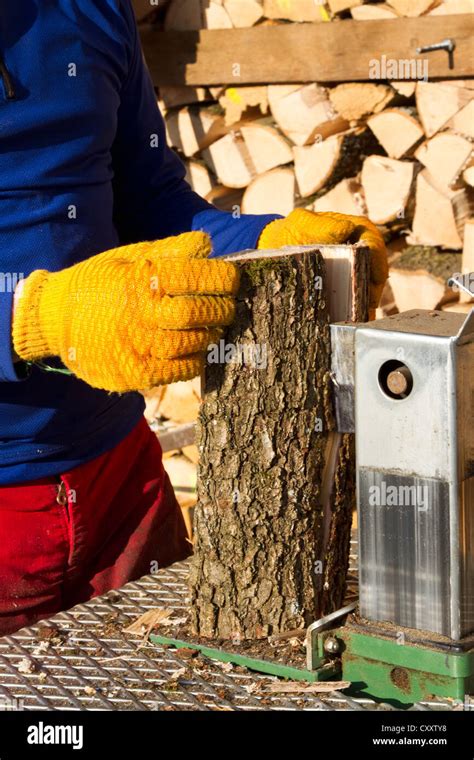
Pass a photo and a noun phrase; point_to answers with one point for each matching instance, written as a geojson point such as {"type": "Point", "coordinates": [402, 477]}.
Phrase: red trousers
{"type": "Point", "coordinates": [65, 540]}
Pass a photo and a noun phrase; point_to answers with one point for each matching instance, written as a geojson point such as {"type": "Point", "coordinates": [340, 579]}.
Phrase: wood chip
{"type": "Point", "coordinates": [149, 620]}
{"type": "Point", "coordinates": [296, 687]}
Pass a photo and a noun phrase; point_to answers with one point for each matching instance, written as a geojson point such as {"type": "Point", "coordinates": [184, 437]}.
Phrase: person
{"type": "Point", "coordinates": [111, 284]}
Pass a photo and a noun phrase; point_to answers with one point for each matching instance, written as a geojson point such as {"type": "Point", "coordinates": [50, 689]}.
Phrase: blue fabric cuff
{"type": "Point", "coordinates": [9, 372]}
{"type": "Point", "coordinates": [230, 234]}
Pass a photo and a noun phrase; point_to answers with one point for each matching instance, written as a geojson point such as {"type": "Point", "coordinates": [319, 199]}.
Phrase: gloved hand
{"type": "Point", "coordinates": [303, 227]}
{"type": "Point", "coordinates": [132, 317]}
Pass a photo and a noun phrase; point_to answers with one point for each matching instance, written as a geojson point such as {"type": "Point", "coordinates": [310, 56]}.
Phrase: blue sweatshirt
{"type": "Point", "coordinates": [84, 167]}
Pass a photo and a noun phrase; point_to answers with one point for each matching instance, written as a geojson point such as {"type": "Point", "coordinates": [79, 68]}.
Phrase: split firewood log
{"type": "Point", "coordinates": [397, 130]}
{"type": "Point", "coordinates": [229, 159]}
{"type": "Point", "coordinates": [388, 188]}
{"type": "Point", "coordinates": [327, 162]}
{"type": "Point", "coordinates": [468, 175]}
{"type": "Point", "coordinates": [445, 156]}
{"type": "Point", "coordinates": [347, 197]}
{"type": "Point", "coordinates": [304, 113]}
{"type": "Point", "coordinates": [452, 7]}
{"type": "Point", "coordinates": [254, 149]}
{"type": "Point", "coordinates": [240, 102]}
{"type": "Point", "coordinates": [373, 12]}
{"type": "Point", "coordinates": [338, 6]}
{"type": "Point", "coordinates": [272, 192]}
{"type": "Point", "coordinates": [418, 278]}
{"type": "Point", "coordinates": [438, 102]}
{"type": "Point", "coordinates": [463, 121]}
{"type": "Point", "coordinates": [294, 10]}
{"type": "Point", "coordinates": [226, 198]}
{"type": "Point", "coordinates": [244, 13]}
{"type": "Point", "coordinates": [404, 88]}
{"type": "Point", "coordinates": [199, 177]}
{"type": "Point", "coordinates": [440, 213]}
{"type": "Point", "coordinates": [412, 8]}
{"type": "Point", "coordinates": [191, 130]}
{"type": "Point", "coordinates": [358, 100]}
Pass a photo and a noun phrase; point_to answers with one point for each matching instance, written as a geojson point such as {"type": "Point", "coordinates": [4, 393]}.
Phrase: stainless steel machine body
{"type": "Point", "coordinates": [405, 385]}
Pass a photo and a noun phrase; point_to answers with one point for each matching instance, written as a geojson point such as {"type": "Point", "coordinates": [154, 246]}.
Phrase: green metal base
{"type": "Point", "coordinates": [272, 668]}
{"type": "Point", "coordinates": [382, 667]}
{"type": "Point", "coordinates": [401, 672]}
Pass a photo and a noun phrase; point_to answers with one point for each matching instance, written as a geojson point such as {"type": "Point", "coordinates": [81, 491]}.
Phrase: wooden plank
{"type": "Point", "coordinates": [335, 52]}
{"type": "Point", "coordinates": [176, 438]}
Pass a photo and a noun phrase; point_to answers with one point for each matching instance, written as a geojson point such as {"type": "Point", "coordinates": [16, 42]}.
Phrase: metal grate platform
{"type": "Point", "coordinates": [88, 662]}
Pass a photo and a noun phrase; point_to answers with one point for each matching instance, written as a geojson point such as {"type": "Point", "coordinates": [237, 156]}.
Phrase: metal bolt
{"type": "Point", "coordinates": [447, 45]}
{"type": "Point", "coordinates": [331, 645]}
{"type": "Point", "coordinates": [399, 381]}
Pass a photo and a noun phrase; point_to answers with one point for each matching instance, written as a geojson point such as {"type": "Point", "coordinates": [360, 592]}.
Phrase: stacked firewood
{"type": "Point", "coordinates": [399, 152]}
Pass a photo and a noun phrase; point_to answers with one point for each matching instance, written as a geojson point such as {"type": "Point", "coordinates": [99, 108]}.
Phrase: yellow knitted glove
{"type": "Point", "coordinates": [130, 318]}
{"type": "Point", "coordinates": [303, 227]}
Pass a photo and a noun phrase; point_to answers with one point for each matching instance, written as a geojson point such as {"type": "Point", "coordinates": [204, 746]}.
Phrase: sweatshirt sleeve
{"type": "Point", "coordinates": [151, 197]}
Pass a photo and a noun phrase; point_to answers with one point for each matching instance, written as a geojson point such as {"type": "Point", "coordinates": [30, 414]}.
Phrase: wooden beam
{"type": "Point", "coordinates": [334, 52]}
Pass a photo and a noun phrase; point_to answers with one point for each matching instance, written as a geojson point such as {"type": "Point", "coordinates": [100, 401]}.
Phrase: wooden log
{"type": "Point", "coordinates": [229, 159]}
{"type": "Point", "coordinates": [295, 10]}
{"type": "Point", "coordinates": [243, 13]}
{"type": "Point", "coordinates": [411, 8]}
{"type": "Point", "coordinates": [286, 52]}
{"type": "Point", "coordinates": [450, 7]}
{"type": "Point", "coordinates": [440, 213]}
{"type": "Point", "coordinates": [459, 307]}
{"type": "Point", "coordinates": [199, 177]}
{"type": "Point", "coordinates": [445, 156]}
{"type": "Point", "coordinates": [438, 102]}
{"type": "Point", "coordinates": [387, 306]}
{"type": "Point", "coordinates": [327, 162]}
{"type": "Point", "coordinates": [266, 147]}
{"type": "Point", "coordinates": [191, 130]}
{"type": "Point", "coordinates": [180, 401]}
{"type": "Point", "coordinates": [254, 149]}
{"type": "Point", "coordinates": [404, 88]}
{"type": "Point", "coordinates": [418, 278]}
{"type": "Point", "coordinates": [270, 193]}
{"type": "Point", "coordinates": [226, 198]}
{"type": "Point", "coordinates": [276, 483]}
{"type": "Point", "coordinates": [468, 176]}
{"type": "Point", "coordinates": [388, 186]}
{"type": "Point", "coordinates": [463, 121]}
{"type": "Point", "coordinates": [373, 12]}
{"type": "Point", "coordinates": [304, 113]}
{"type": "Point", "coordinates": [347, 197]}
{"type": "Point", "coordinates": [338, 6]}
{"type": "Point", "coordinates": [356, 100]}
{"type": "Point", "coordinates": [315, 164]}
{"type": "Point", "coordinates": [216, 16]}
{"type": "Point", "coordinates": [397, 131]}
{"type": "Point", "coordinates": [237, 101]}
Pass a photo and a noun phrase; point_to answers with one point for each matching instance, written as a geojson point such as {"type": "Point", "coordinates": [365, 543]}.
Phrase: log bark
{"type": "Point", "coordinates": [276, 482]}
